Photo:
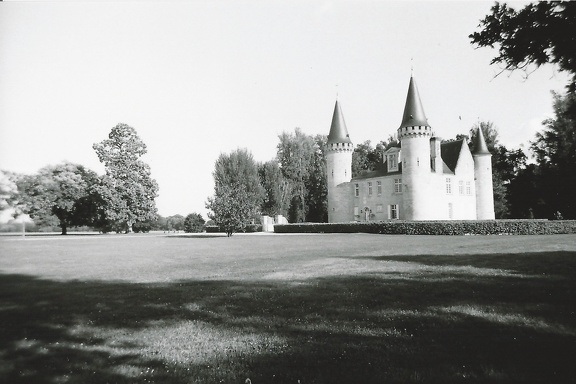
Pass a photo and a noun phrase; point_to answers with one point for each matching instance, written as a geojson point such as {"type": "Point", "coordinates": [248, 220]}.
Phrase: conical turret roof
{"type": "Point", "coordinates": [338, 131]}
{"type": "Point", "coordinates": [480, 147]}
{"type": "Point", "coordinates": [413, 111]}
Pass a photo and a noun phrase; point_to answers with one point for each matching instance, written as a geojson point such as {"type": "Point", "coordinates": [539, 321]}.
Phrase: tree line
{"type": "Point", "coordinates": [69, 195]}
{"type": "Point", "coordinates": [538, 34]}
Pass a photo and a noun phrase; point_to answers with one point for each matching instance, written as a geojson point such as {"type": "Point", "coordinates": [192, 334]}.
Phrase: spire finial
{"type": "Point", "coordinates": [336, 91]}
{"type": "Point", "coordinates": [411, 67]}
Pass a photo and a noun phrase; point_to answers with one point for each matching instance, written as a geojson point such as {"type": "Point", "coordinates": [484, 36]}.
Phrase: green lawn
{"type": "Point", "coordinates": [353, 308]}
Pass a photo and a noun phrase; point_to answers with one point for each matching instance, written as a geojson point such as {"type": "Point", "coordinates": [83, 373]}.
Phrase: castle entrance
{"type": "Point", "coordinates": [367, 212]}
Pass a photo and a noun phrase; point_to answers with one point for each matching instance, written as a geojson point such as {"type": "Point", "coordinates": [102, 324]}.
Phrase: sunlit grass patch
{"type": "Point", "coordinates": [509, 317]}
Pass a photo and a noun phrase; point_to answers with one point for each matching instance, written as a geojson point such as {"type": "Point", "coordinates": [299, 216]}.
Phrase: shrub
{"type": "Point", "coordinates": [213, 229]}
{"type": "Point", "coordinates": [194, 223]}
{"type": "Point", "coordinates": [250, 228]}
{"type": "Point", "coordinates": [464, 227]}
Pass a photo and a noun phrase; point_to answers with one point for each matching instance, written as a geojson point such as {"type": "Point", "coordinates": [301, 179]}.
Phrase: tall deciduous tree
{"type": "Point", "coordinates": [128, 188]}
{"type": "Point", "coordinates": [277, 190]}
{"type": "Point", "coordinates": [365, 158]}
{"type": "Point", "coordinates": [295, 153]}
{"type": "Point", "coordinates": [316, 183]}
{"type": "Point", "coordinates": [303, 164]}
{"type": "Point", "coordinates": [239, 167]}
{"type": "Point", "coordinates": [58, 191]}
{"type": "Point", "coordinates": [555, 150]}
{"type": "Point", "coordinates": [526, 200]}
{"type": "Point", "coordinates": [540, 33]}
{"type": "Point", "coordinates": [8, 192]}
{"type": "Point", "coordinates": [238, 194]}
{"type": "Point", "coordinates": [232, 207]}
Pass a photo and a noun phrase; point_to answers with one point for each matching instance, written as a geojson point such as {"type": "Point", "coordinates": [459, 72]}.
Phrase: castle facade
{"type": "Point", "coordinates": [422, 179]}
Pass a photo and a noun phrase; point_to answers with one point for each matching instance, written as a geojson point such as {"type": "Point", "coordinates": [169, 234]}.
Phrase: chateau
{"type": "Point", "coordinates": [422, 179]}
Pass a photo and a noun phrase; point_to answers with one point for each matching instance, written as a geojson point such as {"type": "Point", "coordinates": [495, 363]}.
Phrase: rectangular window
{"type": "Point", "coordinates": [356, 190]}
{"type": "Point", "coordinates": [450, 211]}
{"type": "Point", "coordinates": [379, 184]}
{"type": "Point", "coordinates": [393, 211]}
{"type": "Point", "coordinates": [468, 188]}
{"type": "Point", "coordinates": [461, 187]}
{"type": "Point", "coordinates": [397, 185]}
{"type": "Point", "coordinates": [448, 185]}
{"type": "Point", "coordinates": [369, 188]}
{"type": "Point", "coordinates": [392, 162]}
{"type": "Point", "coordinates": [356, 211]}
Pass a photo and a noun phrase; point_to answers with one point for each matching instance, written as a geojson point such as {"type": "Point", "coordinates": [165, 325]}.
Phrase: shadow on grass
{"type": "Point", "coordinates": [438, 321]}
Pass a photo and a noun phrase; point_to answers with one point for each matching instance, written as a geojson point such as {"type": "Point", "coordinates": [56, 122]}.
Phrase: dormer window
{"type": "Point", "coordinates": [392, 160]}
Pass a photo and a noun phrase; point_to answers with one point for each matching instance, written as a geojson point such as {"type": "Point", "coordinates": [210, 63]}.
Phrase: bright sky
{"type": "Point", "coordinates": [199, 78]}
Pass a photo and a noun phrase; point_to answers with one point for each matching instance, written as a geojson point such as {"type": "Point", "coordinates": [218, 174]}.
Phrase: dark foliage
{"type": "Point", "coordinates": [540, 33]}
{"type": "Point", "coordinates": [453, 227]}
{"type": "Point", "coordinates": [194, 223]}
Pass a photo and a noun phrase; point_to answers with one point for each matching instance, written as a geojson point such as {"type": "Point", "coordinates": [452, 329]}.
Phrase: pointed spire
{"type": "Point", "coordinates": [338, 131]}
{"type": "Point", "coordinates": [413, 111]}
{"type": "Point", "coordinates": [480, 147]}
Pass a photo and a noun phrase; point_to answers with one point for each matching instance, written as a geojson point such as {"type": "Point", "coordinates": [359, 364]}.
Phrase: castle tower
{"type": "Point", "coordinates": [338, 166]}
{"type": "Point", "coordinates": [483, 178]}
{"type": "Point", "coordinates": [414, 134]}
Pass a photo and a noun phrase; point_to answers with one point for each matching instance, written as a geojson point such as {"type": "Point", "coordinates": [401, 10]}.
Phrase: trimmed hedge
{"type": "Point", "coordinates": [250, 228]}
{"type": "Point", "coordinates": [452, 227]}
{"type": "Point", "coordinates": [212, 229]}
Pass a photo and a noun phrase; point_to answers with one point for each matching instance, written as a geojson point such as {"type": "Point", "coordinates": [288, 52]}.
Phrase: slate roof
{"type": "Point", "coordinates": [480, 147]}
{"type": "Point", "coordinates": [450, 153]}
{"type": "Point", "coordinates": [413, 111]}
{"type": "Point", "coordinates": [338, 131]}
{"type": "Point", "coordinates": [380, 171]}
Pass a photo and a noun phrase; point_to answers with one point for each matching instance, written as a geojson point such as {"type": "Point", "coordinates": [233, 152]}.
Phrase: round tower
{"type": "Point", "coordinates": [414, 134]}
{"type": "Point", "coordinates": [483, 178]}
{"type": "Point", "coordinates": [338, 166]}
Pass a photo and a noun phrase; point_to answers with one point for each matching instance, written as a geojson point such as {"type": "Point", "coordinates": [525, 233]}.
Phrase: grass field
{"type": "Point", "coordinates": [352, 308]}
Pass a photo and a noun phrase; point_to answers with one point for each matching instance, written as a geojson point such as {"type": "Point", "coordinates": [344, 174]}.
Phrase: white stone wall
{"type": "Point", "coordinates": [484, 191]}
{"type": "Point", "coordinates": [419, 183]}
{"type": "Point", "coordinates": [463, 204]}
{"type": "Point", "coordinates": [378, 204]}
{"type": "Point", "coordinates": [339, 165]}
{"type": "Point", "coordinates": [436, 198]}
{"type": "Point", "coordinates": [339, 173]}
{"type": "Point", "coordinates": [340, 209]}
{"type": "Point", "coordinates": [424, 194]}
